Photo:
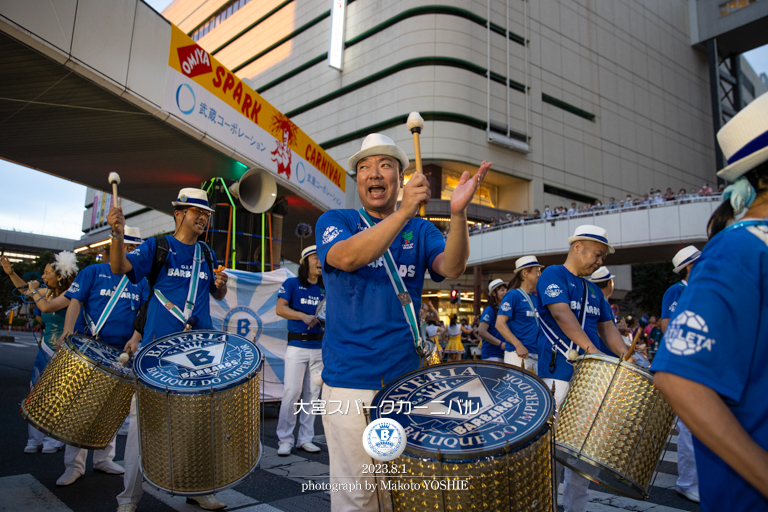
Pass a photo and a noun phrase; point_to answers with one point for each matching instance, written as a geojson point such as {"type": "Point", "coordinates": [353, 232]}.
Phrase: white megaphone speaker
{"type": "Point", "coordinates": [257, 190]}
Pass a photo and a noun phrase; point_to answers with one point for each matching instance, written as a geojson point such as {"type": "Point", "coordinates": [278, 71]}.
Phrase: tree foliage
{"type": "Point", "coordinates": [649, 283]}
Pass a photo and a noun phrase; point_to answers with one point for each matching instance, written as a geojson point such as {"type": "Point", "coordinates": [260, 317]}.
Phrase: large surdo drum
{"type": "Point", "coordinates": [483, 423]}
{"type": "Point", "coordinates": [83, 396]}
{"type": "Point", "coordinates": [198, 408]}
{"type": "Point", "coordinates": [614, 425]}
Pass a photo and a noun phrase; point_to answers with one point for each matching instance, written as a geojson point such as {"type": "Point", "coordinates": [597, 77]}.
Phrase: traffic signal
{"type": "Point", "coordinates": [454, 296]}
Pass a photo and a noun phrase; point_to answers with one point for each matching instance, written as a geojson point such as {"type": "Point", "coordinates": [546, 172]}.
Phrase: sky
{"type": "Point", "coordinates": [54, 206]}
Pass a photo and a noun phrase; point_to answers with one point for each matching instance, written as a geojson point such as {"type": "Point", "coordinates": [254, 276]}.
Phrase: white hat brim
{"type": "Point", "coordinates": [191, 205]}
{"type": "Point", "coordinates": [572, 239]}
{"type": "Point", "coordinates": [525, 267]}
{"type": "Point", "coordinates": [741, 167]}
{"type": "Point", "coordinates": [384, 149]}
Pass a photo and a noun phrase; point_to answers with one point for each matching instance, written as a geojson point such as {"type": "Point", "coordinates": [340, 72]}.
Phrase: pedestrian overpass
{"type": "Point", "coordinates": [641, 234]}
{"type": "Point", "coordinates": [91, 87]}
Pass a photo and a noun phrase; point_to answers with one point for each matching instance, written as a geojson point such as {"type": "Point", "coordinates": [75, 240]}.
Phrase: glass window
{"type": "Point", "coordinates": [486, 195]}
{"type": "Point", "coordinates": [724, 9]}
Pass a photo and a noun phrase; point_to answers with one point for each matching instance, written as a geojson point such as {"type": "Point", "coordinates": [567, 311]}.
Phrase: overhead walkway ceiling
{"type": "Point", "coordinates": [79, 99]}
{"type": "Point", "coordinates": [639, 235]}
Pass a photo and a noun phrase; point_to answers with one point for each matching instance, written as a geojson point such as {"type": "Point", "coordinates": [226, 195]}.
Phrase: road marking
{"type": "Point", "coordinates": [233, 499]}
{"type": "Point", "coordinates": [24, 492]}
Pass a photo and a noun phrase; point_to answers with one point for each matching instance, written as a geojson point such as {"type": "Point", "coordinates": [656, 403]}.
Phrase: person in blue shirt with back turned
{"type": "Point", "coordinates": [368, 340]}
{"type": "Point", "coordinates": [493, 344]}
{"type": "Point", "coordinates": [518, 320]}
{"type": "Point", "coordinates": [185, 280]}
{"type": "Point", "coordinates": [711, 362]}
{"type": "Point", "coordinates": [574, 316]}
{"type": "Point", "coordinates": [688, 478]}
{"type": "Point", "coordinates": [298, 301]}
{"type": "Point", "coordinates": [90, 294]}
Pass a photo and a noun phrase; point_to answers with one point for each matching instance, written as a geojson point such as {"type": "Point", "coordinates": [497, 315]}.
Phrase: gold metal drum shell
{"type": "Point", "coordinates": [195, 444]}
{"type": "Point", "coordinates": [519, 481]}
{"type": "Point", "coordinates": [77, 402]}
{"type": "Point", "coordinates": [614, 419]}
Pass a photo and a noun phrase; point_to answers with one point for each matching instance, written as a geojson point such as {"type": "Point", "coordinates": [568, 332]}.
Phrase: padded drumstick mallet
{"type": "Point", "coordinates": [114, 180]}
{"type": "Point", "coordinates": [415, 125]}
{"type": "Point", "coordinates": [124, 358]}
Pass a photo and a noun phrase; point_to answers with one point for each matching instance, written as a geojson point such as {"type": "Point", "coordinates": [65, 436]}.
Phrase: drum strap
{"type": "Point", "coordinates": [96, 327]}
{"type": "Point", "coordinates": [530, 303]}
{"type": "Point", "coordinates": [558, 344]}
{"type": "Point", "coordinates": [189, 304]}
{"type": "Point", "coordinates": [400, 290]}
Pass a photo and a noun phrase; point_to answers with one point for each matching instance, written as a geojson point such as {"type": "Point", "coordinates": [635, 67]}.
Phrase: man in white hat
{"type": "Point", "coordinates": [574, 317]}
{"type": "Point", "coordinates": [493, 344]}
{"type": "Point", "coordinates": [711, 363]}
{"type": "Point", "coordinates": [518, 320]}
{"type": "Point", "coordinates": [368, 340]}
{"type": "Point", "coordinates": [297, 302]}
{"type": "Point", "coordinates": [688, 478]}
{"type": "Point", "coordinates": [111, 323]}
{"type": "Point", "coordinates": [166, 313]}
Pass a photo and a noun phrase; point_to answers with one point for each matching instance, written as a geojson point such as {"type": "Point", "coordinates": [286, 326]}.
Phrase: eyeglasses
{"type": "Point", "coordinates": [199, 212]}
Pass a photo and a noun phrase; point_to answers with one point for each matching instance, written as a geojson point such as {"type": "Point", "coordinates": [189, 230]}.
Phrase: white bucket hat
{"type": "Point", "coordinates": [193, 197]}
{"type": "Point", "coordinates": [132, 236]}
{"type": "Point", "coordinates": [744, 139]}
{"type": "Point", "coordinates": [495, 284]}
{"type": "Point", "coordinates": [601, 275]}
{"type": "Point", "coordinates": [684, 257]}
{"type": "Point", "coordinates": [591, 233]}
{"type": "Point", "coordinates": [526, 262]}
{"type": "Point", "coordinates": [312, 249]}
{"type": "Point", "coordinates": [378, 144]}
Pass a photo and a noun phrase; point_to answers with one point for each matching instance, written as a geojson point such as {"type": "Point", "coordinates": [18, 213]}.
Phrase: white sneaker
{"type": "Point", "coordinates": [689, 495]}
{"type": "Point", "coordinates": [207, 502]}
{"type": "Point", "coordinates": [284, 450]}
{"type": "Point", "coordinates": [69, 477]}
{"type": "Point", "coordinates": [310, 447]}
{"type": "Point", "coordinates": [127, 507]}
{"type": "Point", "coordinates": [32, 447]}
{"type": "Point", "coordinates": [110, 467]}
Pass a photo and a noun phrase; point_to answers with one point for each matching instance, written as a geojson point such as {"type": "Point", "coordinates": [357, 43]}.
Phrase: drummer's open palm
{"type": "Point", "coordinates": [465, 190]}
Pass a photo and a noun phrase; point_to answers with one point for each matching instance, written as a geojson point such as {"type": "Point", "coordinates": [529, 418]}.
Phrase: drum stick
{"type": "Point", "coordinates": [415, 125]}
{"type": "Point", "coordinates": [114, 180]}
{"type": "Point", "coordinates": [632, 346]}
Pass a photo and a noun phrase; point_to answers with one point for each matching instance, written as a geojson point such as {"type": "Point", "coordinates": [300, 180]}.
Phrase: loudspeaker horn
{"type": "Point", "coordinates": [257, 190]}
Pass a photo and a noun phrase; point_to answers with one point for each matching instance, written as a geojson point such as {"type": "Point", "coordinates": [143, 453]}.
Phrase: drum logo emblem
{"type": "Point", "coordinates": [244, 322]}
{"type": "Point", "coordinates": [384, 439]}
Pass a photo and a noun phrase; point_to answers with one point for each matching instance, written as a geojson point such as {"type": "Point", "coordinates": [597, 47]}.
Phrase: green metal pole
{"type": "Point", "coordinates": [234, 224]}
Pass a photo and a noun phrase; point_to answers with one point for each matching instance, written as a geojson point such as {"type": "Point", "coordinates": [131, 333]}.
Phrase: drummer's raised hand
{"type": "Point", "coordinates": [116, 220]}
{"type": "Point", "coordinates": [7, 266]}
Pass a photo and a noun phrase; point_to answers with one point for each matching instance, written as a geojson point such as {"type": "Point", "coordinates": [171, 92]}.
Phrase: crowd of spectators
{"type": "Point", "coordinates": [653, 197]}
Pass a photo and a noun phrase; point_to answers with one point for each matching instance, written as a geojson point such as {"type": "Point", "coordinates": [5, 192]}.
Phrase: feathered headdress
{"type": "Point", "coordinates": [65, 264]}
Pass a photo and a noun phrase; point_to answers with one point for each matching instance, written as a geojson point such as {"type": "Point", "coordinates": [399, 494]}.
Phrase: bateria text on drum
{"type": "Point", "coordinates": [198, 408]}
{"type": "Point", "coordinates": [479, 437]}
{"type": "Point", "coordinates": [83, 396]}
{"type": "Point", "coordinates": [614, 425]}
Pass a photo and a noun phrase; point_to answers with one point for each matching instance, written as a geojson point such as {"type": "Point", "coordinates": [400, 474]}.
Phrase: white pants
{"type": "Point", "coordinates": [300, 365]}
{"type": "Point", "coordinates": [530, 364]}
{"type": "Point", "coordinates": [575, 486]}
{"type": "Point", "coordinates": [75, 457]}
{"type": "Point", "coordinates": [344, 435]}
{"type": "Point", "coordinates": [37, 438]}
{"type": "Point", "coordinates": [132, 476]}
{"type": "Point", "coordinates": [688, 478]}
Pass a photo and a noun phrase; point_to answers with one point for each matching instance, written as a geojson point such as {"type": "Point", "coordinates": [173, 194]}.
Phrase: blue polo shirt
{"type": "Point", "coordinates": [94, 286]}
{"type": "Point", "coordinates": [367, 338]}
{"type": "Point", "coordinates": [173, 282]}
{"type": "Point", "coordinates": [521, 319]}
{"type": "Point", "coordinates": [558, 285]}
{"type": "Point", "coordinates": [671, 296]}
{"type": "Point", "coordinates": [304, 299]}
{"type": "Point", "coordinates": [488, 349]}
{"type": "Point", "coordinates": [718, 337]}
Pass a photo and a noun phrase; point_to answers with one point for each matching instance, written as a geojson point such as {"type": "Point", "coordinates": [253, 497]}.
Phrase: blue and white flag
{"type": "Point", "coordinates": [249, 310]}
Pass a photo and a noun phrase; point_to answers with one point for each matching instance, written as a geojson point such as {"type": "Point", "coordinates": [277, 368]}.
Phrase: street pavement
{"type": "Point", "coordinates": [28, 481]}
